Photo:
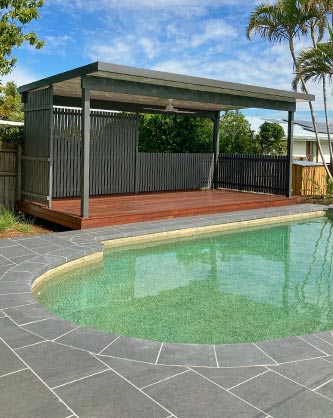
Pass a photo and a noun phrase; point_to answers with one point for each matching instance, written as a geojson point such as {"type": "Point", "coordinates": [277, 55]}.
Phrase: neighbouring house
{"type": "Point", "coordinates": [304, 139]}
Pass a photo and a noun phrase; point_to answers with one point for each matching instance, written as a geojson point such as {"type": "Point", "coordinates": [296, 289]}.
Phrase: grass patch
{"type": "Point", "coordinates": [9, 222]}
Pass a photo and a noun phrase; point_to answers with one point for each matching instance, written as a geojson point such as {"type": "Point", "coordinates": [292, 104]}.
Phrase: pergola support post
{"type": "Point", "coordinates": [216, 146]}
{"type": "Point", "coordinates": [85, 153]}
{"type": "Point", "coordinates": [289, 189]}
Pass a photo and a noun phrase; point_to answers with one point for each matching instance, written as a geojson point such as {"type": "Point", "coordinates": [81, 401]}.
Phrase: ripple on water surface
{"type": "Point", "coordinates": [245, 285]}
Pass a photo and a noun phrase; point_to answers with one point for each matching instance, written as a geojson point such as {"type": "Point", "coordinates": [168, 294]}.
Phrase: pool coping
{"type": "Point", "coordinates": [28, 259]}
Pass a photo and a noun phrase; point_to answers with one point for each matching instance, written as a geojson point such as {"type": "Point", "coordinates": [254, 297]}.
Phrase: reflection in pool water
{"type": "Point", "coordinates": [247, 285]}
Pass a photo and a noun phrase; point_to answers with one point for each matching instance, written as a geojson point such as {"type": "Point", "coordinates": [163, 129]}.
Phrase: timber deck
{"type": "Point", "coordinates": [125, 209]}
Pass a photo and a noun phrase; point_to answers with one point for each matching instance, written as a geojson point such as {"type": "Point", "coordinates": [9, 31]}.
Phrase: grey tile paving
{"type": "Point", "coordinates": [289, 349]}
{"type": "Point", "coordinates": [327, 336]}
{"type": "Point", "coordinates": [15, 336]}
{"type": "Point", "coordinates": [232, 355]}
{"type": "Point", "coordinates": [29, 399]}
{"type": "Point", "coordinates": [19, 276]}
{"type": "Point", "coordinates": [187, 354]}
{"type": "Point", "coordinates": [29, 313]}
{"type": "Point", "coordinates": [229, 377]}
{"type": "Point", "coordinates": [9, 362]}
{"type": "Point", "coordinates": [14, 287]}
{"type": "Point", "coordinates": [88, 339]}
{"type": "Point", "coordinates": [107, 395]}
{"type": "Point", "coordinates": [7, 242]}
{"type": "Point", "coordinates": [320, 344]}
{"type": "Point", "coordinates": [190, 395]}
{"type": "Point", "coordinates": [141, 374]}
{"type": "Point", "coordinates": [327, 390]}
{"type": "Point", "coordinates": [47, 249]}
{"type": "Point", "coordinates": [5, 261]}
{"type": "Point", "coordinates": [187, 393]}
{"type": "Point", "coordinates": [20, 259]}
{"type": "Point", "coordinates": [50, 328]}
{"type": "Point", "coordinates": [280, 397]}
{"type": "Point", "coordinates": [134, 349]}
{"type": "Point", "coordinates": [57, 364]}
{"type": "Point", "coordinates": [4, 269]}
{"type": "Point", "coordinates": [10, 301]}
{"type": "Point", "coordinates": [70, 253]}
{"type": "Point", "coordinates": [29, 267]}
{"type": "Point", "coordinates": [15, 251]}
{"type": "Point", "coordinates": [32, 242]}
{"type": "Point", "coordinates": [310, 373]}
{"type": "Point", "coordinates": [50, 260]}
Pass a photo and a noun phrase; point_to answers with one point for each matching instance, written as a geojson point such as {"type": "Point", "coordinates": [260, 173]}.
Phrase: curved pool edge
{"type": "Point", "coordinates": [76, 247]}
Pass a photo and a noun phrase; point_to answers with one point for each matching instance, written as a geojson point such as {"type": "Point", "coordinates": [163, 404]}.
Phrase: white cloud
{"type": "Point", "coordinates": [214, 30]}
{"type": "Point", "coordinates": [150, 46]}
{"type": "Point", "coordinates": [57, 41]}
{"type": "Point", "coordinates": [173, 5]}
{"type": "Point", "coordinates": [119, 51]}
{"type": "Point", "coordinates": [20, 75]}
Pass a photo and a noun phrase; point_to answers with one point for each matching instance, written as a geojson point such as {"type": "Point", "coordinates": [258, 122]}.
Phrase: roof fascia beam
{"type": "Point", "coordinates": [168, 92]}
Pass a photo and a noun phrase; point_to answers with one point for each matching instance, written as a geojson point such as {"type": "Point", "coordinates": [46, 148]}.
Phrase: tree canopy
{"type": "Point", "coordinates": [10, 103]}
{"type": "Point", "coordinates": [270, 139]}
{"type": "Point", "coordinates": [14, 16]}
{"type": "Point", "coordinates": [236, 135]}
{"type": "Point", "coordinates": [173, 133]}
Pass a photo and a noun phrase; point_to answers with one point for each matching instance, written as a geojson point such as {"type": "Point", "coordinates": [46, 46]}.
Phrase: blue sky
{"type": "Point", "coordinates": [196, 37]}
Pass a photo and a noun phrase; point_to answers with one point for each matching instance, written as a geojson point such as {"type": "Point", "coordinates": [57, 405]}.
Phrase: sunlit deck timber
{"type": "Point", "coordinates": [124, 209]}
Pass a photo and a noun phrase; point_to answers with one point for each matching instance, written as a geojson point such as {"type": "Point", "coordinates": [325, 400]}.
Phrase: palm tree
{"type": "Point", "coordinates": [287, 20]}
{"type": "Point", "coordinates": [317, 64]}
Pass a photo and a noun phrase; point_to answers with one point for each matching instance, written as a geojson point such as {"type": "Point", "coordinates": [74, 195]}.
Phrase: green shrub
{"type": "Point", "coordinates": [12, 134]}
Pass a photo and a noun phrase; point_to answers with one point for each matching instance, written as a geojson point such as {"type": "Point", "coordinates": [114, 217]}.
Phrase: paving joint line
{"type": "Point", "coordinates": [323, 384]}
{"type": "Point", "coordinates": [17, 371]}
{"type": "Point", "coordinates": [248, 380]}
{"type": "Point", "coordinates": [312, 345]}
{"type": "Point", "coordinates": [159, 353]}
{"type": "Point", "coordinates": [30, 345]}
{"type": "Point", "coordinates": [100, 352]}
{"type": "Point", "coordinates": [265, 353]}
{"type": "Point", "coordinates": [79, 379]}
{"type": "Point", "coordinates": [323, 339]}
{"type": "Point", "coordinates": [163, 380]}
{"type": "Point", "coordinates": [34, 322]}
{"type": "Point", "coordinates": [66, 333]}
{"type": "Point", "coordinates": [217, 362]}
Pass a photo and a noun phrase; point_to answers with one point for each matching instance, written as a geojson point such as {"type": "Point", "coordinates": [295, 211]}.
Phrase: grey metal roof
{"type": "Point", "coordinates": [134, 85]}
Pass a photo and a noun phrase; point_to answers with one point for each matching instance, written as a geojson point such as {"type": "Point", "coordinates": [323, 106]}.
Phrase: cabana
{"type": "Point", "coordinates": [81, 140]}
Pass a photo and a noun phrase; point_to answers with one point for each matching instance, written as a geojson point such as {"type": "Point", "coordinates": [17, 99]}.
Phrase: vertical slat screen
{"type": "Point", "coordinates": [161, 172]}
{"type": "Point", "coordinates": [36, 145]}
{"type": "Point", "coordinates": [113, 147]}
{"type": "Point", "coordinates": [254, 173]}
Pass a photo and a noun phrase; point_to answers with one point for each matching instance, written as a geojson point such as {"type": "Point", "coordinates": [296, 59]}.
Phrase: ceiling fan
{"type": "Point", "coordinates": [169, 109]}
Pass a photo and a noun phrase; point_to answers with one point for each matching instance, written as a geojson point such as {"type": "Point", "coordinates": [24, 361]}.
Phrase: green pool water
{"type": "Point", "coordinates": [248, 285]}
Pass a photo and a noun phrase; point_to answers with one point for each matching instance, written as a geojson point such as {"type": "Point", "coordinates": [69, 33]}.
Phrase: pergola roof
{"type": "Point", "coordinates": [118, 87]}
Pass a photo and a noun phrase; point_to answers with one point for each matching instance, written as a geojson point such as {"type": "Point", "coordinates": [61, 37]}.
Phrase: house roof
{"type": "Point", "coordinates": [301, 129]}
{"type": "Point", "coordinates": [141, 87]}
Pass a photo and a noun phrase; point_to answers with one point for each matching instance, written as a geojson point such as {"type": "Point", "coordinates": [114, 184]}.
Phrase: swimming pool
{"type": "Point", "coordinates": [245, 285]}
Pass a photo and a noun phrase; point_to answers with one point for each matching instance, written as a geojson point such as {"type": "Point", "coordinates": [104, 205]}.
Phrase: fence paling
{"type": "Point", "coordinates": [255, 173]}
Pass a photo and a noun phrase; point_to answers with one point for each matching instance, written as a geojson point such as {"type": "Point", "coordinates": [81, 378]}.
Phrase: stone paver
{"type": "Point", "coordinates": [39, 351]}
{"type": "Point", "coordinates": [280, 397]}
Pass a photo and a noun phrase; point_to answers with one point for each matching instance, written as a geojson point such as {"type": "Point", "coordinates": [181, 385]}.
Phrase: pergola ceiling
{"type": "Point", "coordinates": [133, 89]}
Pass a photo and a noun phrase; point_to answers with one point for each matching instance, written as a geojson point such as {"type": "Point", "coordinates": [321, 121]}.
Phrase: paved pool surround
{"type": "Point", "coordinates": [50, 367]}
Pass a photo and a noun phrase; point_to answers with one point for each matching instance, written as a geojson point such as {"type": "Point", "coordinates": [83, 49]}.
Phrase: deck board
{"type": "Point", "coordinates": [123, 209]}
